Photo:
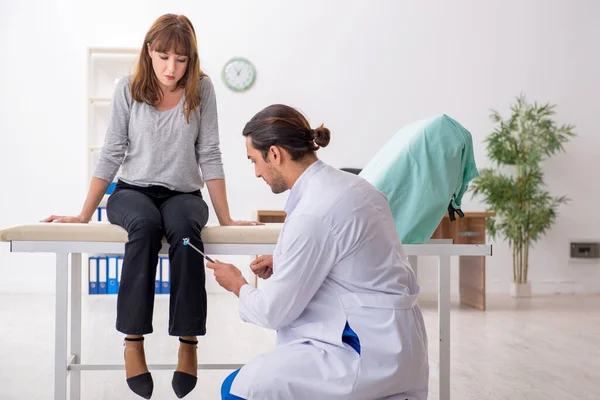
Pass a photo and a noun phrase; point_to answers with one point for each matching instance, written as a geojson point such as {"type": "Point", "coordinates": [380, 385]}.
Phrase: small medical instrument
{"type": "Point", "coordinates": [186, 242]}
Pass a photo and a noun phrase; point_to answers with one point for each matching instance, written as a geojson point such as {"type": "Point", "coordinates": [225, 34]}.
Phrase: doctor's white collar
{"type": "Point", "coordinates": [300, 184]}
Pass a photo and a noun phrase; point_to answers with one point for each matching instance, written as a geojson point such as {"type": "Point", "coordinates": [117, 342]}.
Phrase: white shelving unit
{"type": "Point", "coordinates": [105, 66]}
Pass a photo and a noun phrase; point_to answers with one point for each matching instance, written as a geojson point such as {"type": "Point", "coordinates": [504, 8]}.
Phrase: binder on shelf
{"type": "Point", "coordinates": [165, 275]}
{"type": "Point", "coordinates": [111, 187]}
{"type": "Point", "coordinates": [158, 274]}
{"type": "Point", "coordinates": [93, 275]}
{"type": "Point", "coordinates": [112, 275]}
{"type": "Point", "coordinates": [119, 271]}
{"type": "Point", "coordinates": [101, 214]}
{"type": "Point", "coordinates": [102, 275]}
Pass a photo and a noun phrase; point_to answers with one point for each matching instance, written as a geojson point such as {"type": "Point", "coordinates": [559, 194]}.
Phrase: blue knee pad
{"type": "Point", "coordinates": [226, 387]}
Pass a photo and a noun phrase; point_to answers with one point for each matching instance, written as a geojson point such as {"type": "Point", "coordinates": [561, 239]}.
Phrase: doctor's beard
{"type": "Point", "coordinates": [276, 181]}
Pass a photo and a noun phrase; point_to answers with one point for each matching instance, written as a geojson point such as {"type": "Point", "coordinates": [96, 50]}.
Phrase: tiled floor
{"type": "Point", "coordinates": [536, 349]}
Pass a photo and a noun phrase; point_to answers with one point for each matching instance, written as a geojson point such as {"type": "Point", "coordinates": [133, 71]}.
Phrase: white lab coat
{"type": "Point", "coordinates": [338, 259]}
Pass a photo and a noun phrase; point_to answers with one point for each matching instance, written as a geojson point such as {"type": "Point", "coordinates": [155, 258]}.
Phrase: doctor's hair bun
{"type": "Point", "coordinates": [322, 136]}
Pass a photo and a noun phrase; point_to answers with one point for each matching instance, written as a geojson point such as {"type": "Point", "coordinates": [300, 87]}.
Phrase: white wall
{"type": "Point", "coordinates": [364, 68]}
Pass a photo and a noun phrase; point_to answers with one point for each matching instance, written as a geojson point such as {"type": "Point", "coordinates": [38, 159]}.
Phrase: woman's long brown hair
{"type": "Point", "coordinates": [176, 33]}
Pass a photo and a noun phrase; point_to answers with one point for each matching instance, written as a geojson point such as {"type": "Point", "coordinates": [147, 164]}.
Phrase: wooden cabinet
{"type": "Point", "coordinates": [270, 216]}
{"type": "Point", "coordinates": [468, 230]}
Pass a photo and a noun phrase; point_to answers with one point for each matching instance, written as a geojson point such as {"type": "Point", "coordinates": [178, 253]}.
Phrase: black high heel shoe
{"type": "Point", "coordinates": [183, 383]}
{"type": "Point", "coordinates": [142, 384]}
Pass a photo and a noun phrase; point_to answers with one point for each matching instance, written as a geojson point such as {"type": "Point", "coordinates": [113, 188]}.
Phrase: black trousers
{"type": "Point", "coordinates": [148, 214]}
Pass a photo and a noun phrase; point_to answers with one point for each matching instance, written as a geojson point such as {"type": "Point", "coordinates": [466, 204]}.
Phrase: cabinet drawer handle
{"type": "Point", "coordinates": [468, 233]}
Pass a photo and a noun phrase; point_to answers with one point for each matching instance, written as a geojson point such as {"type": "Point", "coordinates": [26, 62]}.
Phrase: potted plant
{"type": "Point", "coordinates": [515, 189]}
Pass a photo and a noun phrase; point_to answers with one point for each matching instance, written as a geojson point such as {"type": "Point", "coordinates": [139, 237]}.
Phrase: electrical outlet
{"type": "Point", "coordinates": [586, 250]}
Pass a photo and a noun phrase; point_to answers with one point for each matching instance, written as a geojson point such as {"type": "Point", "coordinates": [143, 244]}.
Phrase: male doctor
{"type": "Point", "coordinates": [340, 292]}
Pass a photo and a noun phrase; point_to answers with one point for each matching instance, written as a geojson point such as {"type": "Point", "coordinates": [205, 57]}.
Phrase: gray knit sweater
{"type": "Point", "coordinates": [159, 147]}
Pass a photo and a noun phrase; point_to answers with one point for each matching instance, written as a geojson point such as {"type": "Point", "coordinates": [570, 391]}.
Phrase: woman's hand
{"type": "Point", "coordinates": [65, 218]}
{"type": "Point", "coordinates": [95, 193]}
{"type": "Point", "coordinates": [232, 222]}
{"type": "Point", "coordinates": [218, 195]}
{"type": "Point", "coordinates": [263, 266]}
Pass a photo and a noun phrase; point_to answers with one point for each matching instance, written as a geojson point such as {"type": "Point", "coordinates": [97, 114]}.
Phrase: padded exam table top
{"type": "Point", "coordinates": [105, 232]}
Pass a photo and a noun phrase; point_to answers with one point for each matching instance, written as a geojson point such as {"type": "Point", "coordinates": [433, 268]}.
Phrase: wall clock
{"type": "Point", "coordinates": [239, 74]}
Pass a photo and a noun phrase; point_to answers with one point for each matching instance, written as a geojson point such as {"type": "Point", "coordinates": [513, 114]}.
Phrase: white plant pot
{"type": "Point", "coordinates": [520, 290]}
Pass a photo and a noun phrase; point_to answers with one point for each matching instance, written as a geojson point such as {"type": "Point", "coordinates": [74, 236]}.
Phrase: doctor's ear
{"type": "Point", "coordinates": [274, 155]}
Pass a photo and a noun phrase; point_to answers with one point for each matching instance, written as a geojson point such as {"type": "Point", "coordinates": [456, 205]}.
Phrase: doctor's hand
{"type": "Point", "coordinates": [263, 266]}
{"type": "Point", "coordinates": [228, 276]}
{"type": "Point", "coordinates": [64, 218]}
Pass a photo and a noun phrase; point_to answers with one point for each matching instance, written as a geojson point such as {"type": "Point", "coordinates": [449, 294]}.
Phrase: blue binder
{"type": "Point", "coordinates": [111, 187]}
{"type": "Point", "coordinates": [157, 278]}
{"type": "Point", "coordinates": [119, 271]}
{"type": "Point", "coordinates": [93, 275]}
{"type": "Point", "coordinates": [102, 275]}
{"type": "Point", "coordinates": [165, 277]}
{"type": "Point", "coordinates": [112, 274]}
